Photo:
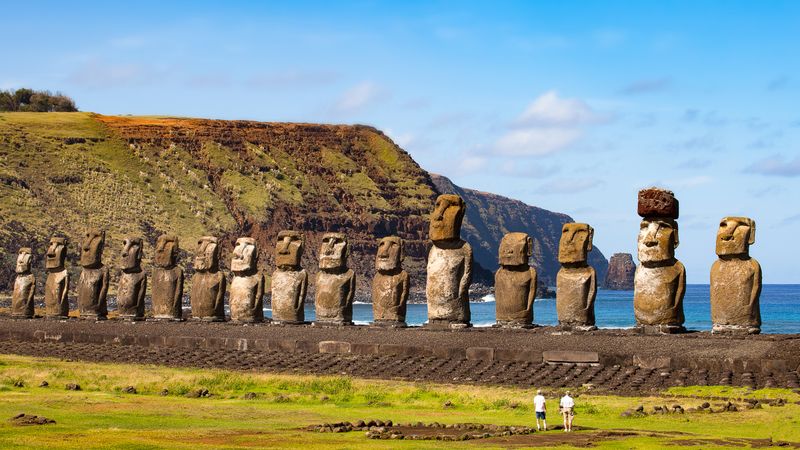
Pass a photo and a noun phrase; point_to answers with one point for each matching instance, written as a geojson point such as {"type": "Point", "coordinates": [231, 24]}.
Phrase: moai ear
{"type": "Point", "coordinates": [529, 246]}
{"type": "Point", "coordinates": [675, 236]}
{"type": "Point", "coordinates": [752, 239]}
{"type": "Point", "coordinates": [590, 238]}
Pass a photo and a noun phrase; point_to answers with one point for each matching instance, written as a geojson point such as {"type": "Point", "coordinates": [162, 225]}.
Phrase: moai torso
{"type": "Point", "coordinates": [390, 286]}
{"type": "Point", "coordinates": [576, 282]}
{"type": "Point", "coordinates": [335, 284]}
{"type": "Point", "coordinates": [735, 279]}
{"type": "Point", "coordinates": [24, 286]}
{"type": "Point", "coordinates": [289, 281]}
{"type": "Point", "coordinates": [658, 294]}
{"type": "Point", "coordinates": [56, 286]}
{"type": "Point", "coordinates": [93, 282]}
{"type": "Point", "coordinates": [247, 286]}
{"type": "Point", "coordinates": [288, 295]}
{"type": "Point", "coordinates": [167, 291]}
{"type": "Point", "coordinates": [449, 265]}
{"type": "Point", "coordinates": [515, 282]}
{"type": "Point", "coordinates": [208, 282]}
{"type": "Point", "coordinates": [132, 281]}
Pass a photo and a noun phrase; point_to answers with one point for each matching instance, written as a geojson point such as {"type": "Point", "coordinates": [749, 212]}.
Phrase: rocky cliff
{"type": "Point", "coordinates": [621, 270]}
{"type": "Point", "coordinates": [489, 217]}
{"type": "Point", "coordinates": [63, 172]}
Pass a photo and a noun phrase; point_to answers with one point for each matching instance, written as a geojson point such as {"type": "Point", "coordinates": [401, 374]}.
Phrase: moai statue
{"type": "Point", "coordinates": [289, 281]}
{"type": "Point", "coordinates": [336, 284]}
{"type": "Point", "coordinates": [93, 282]}
{"type": "Point", "coordinates": [132, 281]}
{"type": "Point", "coordinates": [660, 280]}
{"type": "Point", "coordinates": [390, 285]}
{"type": "Point", "coordinates": [24, 286]}
{"type": "Point", "coordinates": [576, 282]}
{"type": "Point", "coordinates": [736, 279]}
{"type": "Point", "coordinates": [56, 303]}
{"type": "Point", "coordinates": [247, 287]}
{"type": "Point", "coordinates": [208, 283]}
{"type": "Point", "coordinates": [515, 282]}
{"type": "Point", "coordinates": [167, 292]}
{"type": "Point", "coordinates": [449, 266]}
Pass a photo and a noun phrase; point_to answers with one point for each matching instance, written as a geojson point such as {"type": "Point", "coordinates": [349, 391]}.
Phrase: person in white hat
{"type": "Point", "coordinates": [540, 406]}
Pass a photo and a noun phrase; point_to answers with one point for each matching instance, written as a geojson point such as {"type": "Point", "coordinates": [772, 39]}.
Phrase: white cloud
{"type": "Point", "coordinates": [568, 186]}
{"type": "Point", "coordinates": [293, 79]}
{"type": "Point", "coordinates": [359, 97]}
{"type": "Point", "coordinates": [549, 124]}
{"type": "Point", "coordinates": [470, 164]}
{"type": "Point", "coordinates": [98, 73]}
{"type": "Point", "coordinates": [776, 165]}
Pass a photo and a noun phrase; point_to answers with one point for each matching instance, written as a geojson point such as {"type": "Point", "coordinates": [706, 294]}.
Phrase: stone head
{"type": "Point", "coordinates": [92, 248]}
{"type": "Point", "coordinates": [515, 249]}
{"type": "Point", "coordinates": [245, 255]}
{"type": "Point", "coordinates": [166, 251]}
{"type": "Point", "coordinates": [131, 255]}
{"type": "Point", "coordinates": [334, 251]}
{"type": "Point", "coordinates": [575, 243]}
{"type": "Point", "coordinates": [446, 218]}
{"type": "Point", "coordinates": [735, 236]}
{"type": "Point", "coordinates": [24, 260]}
{"type": "Point", "coordinates": [207, 256]}
{"type": "Point", "coordinates": [658, 239]}
{"type": "Point", "coordinates": [390, 254]}
{"type": "Point", "coordinates": [56, 253]}
{"type": "Point", "coordinates": [289, 249]}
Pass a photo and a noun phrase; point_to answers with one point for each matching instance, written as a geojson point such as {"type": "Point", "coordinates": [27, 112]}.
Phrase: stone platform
{"type": "Point", "coordinates": [617, 360]}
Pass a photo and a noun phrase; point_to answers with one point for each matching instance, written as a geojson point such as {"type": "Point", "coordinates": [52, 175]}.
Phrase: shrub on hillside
{"type": "Point", "coordinates": [25, 99]}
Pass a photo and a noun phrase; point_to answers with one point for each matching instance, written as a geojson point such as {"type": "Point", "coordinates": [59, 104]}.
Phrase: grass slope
{"type": "Point", "coordinates": [102, 416]}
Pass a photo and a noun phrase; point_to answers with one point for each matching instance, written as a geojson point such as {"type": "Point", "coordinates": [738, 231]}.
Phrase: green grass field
{"type": "Point", "coordinates": [101, 415]}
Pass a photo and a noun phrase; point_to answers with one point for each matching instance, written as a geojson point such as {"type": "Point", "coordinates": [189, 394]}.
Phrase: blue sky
{"type": "Point", "coordinates": [570, 106]}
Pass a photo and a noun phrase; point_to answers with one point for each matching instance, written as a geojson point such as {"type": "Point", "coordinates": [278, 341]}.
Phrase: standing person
{"type": "Point", "coordinates": [567, 410]}
{"type": "Point", "coordinates": [540, 406]}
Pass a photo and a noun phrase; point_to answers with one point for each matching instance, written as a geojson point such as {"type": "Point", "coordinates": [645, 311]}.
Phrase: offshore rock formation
{"type": "Point", "coordinates": [515, 282]}
{"type": "Point", "coordinates": [208, 282]}
{"type": "Point", "coordinates": [449, 265]}
{"type": "Point", "coordinates": [489, 217]}
{"type": "Point", "coordinates": [336, 284]}
{"type": "Point", "coordinates": [56, 287]}
{"type": "Point", "coordinates": [93, 282]}
{"type": "Point", "coordinates": [167, 296]}
{"type": "Point", "coordinates": [24, 286]}
{"type": "Point", "coordinates": [736, 279]}
{"type": "Point", "coordinates": [247, 287]}
{"type": "Point", "coordinates": [576, 286]}
{"type": "Point", "coordinates": [660, 280]}
{"type": "Point", "coordinates": [621, 271]}
{"type": "Point", "coordinates": [132, 281]}
{"type": "Point", "coordinates": [289, 280]}
{"type": "Point", "coordinates": [390, 286]}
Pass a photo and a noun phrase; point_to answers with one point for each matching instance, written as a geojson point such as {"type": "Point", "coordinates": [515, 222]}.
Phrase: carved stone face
{"type": "Point", "coordinates": [207, 256]}
{"type": "Point", "coordinates": [24, 259]}
{"type": "Point", "coordinates": [333, 254]}
{"type": "Point", "coordinates": [390, 253]}
{"type": "Point", "coordinates": [289, 249]}
{"type": "Point", "coordinates": [575, 243]}
{"type": "Point", "coordinates": [657, 241]}
{"type": "Point", "coordinates": [446, 218]}
{"type": "Point", "coordinates": [166, 251]}
{"type": "Point", "coordinates": [245, 255]}
{"type": "Point", "coordinates": [92, 248]}
{"type": "Point", "coordinates": [735, 235]}
{"type": "Point", "coordinates": [56, 253]}
{"type": "Point", "coordinates": [131, 253]}
{"type": "Point", "coordinates": [515, 249]}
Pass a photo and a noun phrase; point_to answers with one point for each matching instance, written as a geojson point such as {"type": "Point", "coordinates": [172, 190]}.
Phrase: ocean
{"type": "Point", "coordinates": [780, 310]}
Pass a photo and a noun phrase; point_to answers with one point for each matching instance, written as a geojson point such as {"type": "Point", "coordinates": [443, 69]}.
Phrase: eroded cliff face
{"type": "Point", "coordinates": [621, 270]}
{"type": "Point", "coordinates": [489, 217]}
{"type": "Point", "coordinates": [61, 173]}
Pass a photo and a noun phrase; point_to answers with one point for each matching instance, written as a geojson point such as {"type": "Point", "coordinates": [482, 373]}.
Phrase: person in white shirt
{"type": "Point", "coordinates": [567, 405]}
{"type": "Point", "coordinates": [540, 407]}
